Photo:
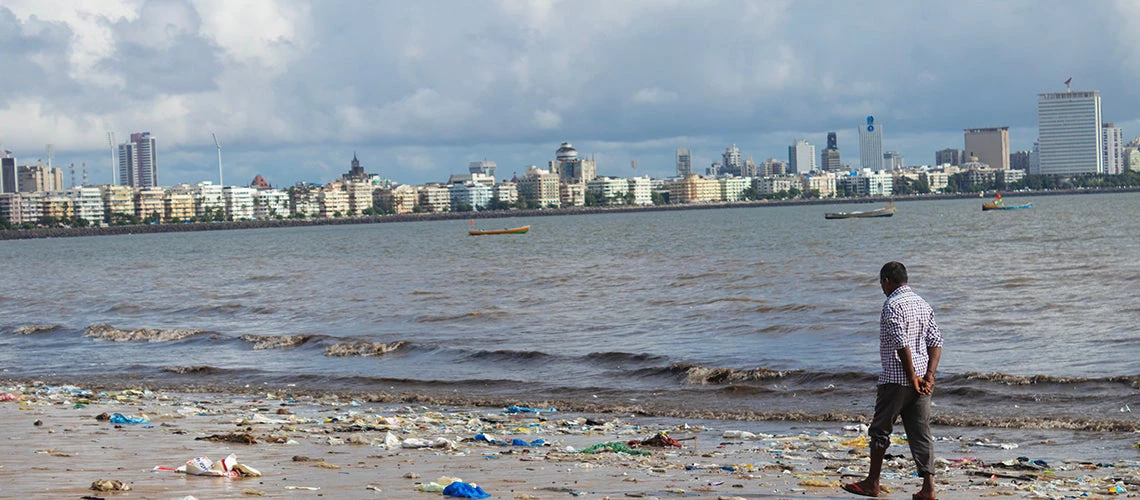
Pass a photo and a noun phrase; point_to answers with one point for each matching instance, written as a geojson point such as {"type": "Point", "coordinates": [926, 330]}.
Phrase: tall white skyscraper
{"type": "Point", "coordinates": [1113, 139]}
{"type": "Point", "coordinates": [138, 161]}
{"type": "Point", "coordinates": [871, 145]}
{"type": "Point", "coordinates": [733, 162]}
{"type": "Point", "coordinates": [1069, 133]}
{"type": "Point", "coordinates": [801, 157]}
{"type": "Point", "coordinates": [684, 162]}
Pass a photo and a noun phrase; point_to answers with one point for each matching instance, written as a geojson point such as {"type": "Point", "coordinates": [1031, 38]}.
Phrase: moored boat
{"type": "Point", "coordinates": [886, 211]}
{"type": "Point", "coordinates": [1002, 206]}
{"type": "Point", "coordinates": [999, 204]}
{"type": "Point", "coordinates": [512, 230]}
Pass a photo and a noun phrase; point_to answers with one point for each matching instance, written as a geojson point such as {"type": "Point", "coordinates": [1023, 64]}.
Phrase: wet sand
{"type": "Point", "coordinates": [56, 446]}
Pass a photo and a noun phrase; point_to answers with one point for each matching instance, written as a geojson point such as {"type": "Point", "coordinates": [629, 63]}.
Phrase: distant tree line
{"type": "Point", "coordinates": [960, 183]}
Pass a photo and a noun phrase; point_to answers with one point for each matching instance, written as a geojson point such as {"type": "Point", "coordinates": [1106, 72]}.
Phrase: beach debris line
{"type": "Point", "coordinates": [782, 464]}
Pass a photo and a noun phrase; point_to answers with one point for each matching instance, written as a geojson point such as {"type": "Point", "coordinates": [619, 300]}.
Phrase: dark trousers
{"type": "Point", "coordinates": [893, 400]}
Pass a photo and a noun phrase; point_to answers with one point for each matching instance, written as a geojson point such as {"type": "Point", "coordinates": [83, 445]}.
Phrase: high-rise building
{"type": "Point", "coordinates": [893, 160]}
{"type": "Point", "coordinates": [801, 157]}
{"type": "Point", "coordinates": [684, 162]}
{"type": "Point", "coordinates": [871, 145]}
{"type": "Point", "coordinates": [1069, 133]}
{"type": "Point", "coordinates": [571, 168]}
{"type": "Point", "coordinates": [990, 145]}
{"type": "Point", "coordinates": [950, 156]}
{"type": "Point", "coordinates": [733, 162]}
{"type": "Point", "coordinates": [138, 161]}
{"type": "Point", "coordinates": [1113, 139]}
{"type": "Point", "coordinates": [751, 169]}
{"type": "Point", "coordinates": [1019, 160]}
{"type": "Point", "coordinates": [485, 167]}
{"type": "Point", "coordinates": [39, 178]}
{"type": "Point", "coordinates": [9, 180]}
{"type": "Point", "coordinates": [829, 157]}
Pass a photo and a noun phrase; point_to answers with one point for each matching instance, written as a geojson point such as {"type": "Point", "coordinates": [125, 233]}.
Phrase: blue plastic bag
{"type": "Point", "coordinates": [464, 490]}
{"type": "Point", "coordinates": [119, 418]}
{"type": "Point", "coordinates": [524, 409]}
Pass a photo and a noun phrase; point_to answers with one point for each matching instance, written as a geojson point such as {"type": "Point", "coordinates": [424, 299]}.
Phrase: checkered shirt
{"type": "Point", "coordinates": [907, 321]}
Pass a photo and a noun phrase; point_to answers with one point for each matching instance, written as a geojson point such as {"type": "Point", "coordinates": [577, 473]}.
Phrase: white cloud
{"type": "Point", "coordinates": [265, 33]}
{"type": "Point", "coordinates": [501, 77]}
{"type": "Point", "coordinates": [653, 95]}
{"type": "Point", "coordinates": [546, 119]}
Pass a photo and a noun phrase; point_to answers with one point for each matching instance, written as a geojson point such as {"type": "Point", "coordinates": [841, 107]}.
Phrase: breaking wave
{"type": "Point", "coordinates": [363, 349]}
{"type": "Point", "coordinates": [32, 329]}
{"type": "Point", "coordinates": [1006, 379]}
{"type": "Point", "coordinates": [699, 375]}
{"type": "Point", "coordinates": [276, 341]}
{"type": "Point", "coordinates": [107, 332]}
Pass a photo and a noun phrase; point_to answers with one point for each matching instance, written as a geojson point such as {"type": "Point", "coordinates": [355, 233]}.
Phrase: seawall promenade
{"type": "Point", "coordinates": [64, 232]}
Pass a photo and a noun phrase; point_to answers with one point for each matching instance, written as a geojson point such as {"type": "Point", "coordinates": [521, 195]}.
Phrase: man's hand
{"type": "Point", "coordinates": [920, 385]}
{"type": "Point", "coordinates": [927, 384]}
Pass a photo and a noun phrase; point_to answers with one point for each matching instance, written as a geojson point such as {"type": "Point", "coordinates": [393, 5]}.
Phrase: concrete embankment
{"type": "Point", "coordinates": [63, 232]}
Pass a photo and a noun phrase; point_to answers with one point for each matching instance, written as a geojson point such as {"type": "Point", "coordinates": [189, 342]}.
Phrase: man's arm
{"type": "Point", "coordinates": [932, 366]}
{"type": "Point", "coordinates": [908, 365]}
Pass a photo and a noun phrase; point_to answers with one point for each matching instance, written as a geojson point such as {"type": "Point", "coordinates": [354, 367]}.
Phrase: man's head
{"type": "Point", "coordinates": [892, 276]}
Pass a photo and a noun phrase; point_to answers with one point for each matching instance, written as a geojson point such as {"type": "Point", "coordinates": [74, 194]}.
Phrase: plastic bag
{"type": "Point", "coordinates": [464, 490]}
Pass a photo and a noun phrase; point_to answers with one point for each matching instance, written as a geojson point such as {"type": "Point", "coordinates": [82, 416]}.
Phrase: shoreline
{"type": "Point", "coordinates": [661, 406]}
{"type": "Point", "coordinates": [59, 443]}
{"type": "Point", "coordinates": [38, 233]}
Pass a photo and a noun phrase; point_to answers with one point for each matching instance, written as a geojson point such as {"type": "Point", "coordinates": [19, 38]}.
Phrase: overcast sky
{"type": "Point", "coordinates": [417, 89]}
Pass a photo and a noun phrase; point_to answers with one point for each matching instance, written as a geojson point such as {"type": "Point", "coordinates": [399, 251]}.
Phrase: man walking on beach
{"type": "Point", "coordinates": [909, 344]}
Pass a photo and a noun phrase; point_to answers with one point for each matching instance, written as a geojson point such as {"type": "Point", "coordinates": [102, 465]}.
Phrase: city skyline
{"type": "Point", "coordinates": [500, 81]}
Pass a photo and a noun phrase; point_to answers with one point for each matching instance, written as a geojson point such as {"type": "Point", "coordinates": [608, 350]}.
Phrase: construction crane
{"type": "Point", "coordinates": [219, 146]}
{"type": "Point", "coordinates": [85, 173]}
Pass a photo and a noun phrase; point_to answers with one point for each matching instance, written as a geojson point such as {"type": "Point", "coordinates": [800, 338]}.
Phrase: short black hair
{"type": "Point", "coordinates": [894, 271]}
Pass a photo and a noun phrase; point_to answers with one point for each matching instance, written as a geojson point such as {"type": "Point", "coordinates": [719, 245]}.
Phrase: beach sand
{"type": "Point", "coordinates": [56, 446]}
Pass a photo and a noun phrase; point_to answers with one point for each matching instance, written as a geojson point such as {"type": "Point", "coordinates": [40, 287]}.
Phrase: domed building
{"type": "Point", "coordinates": [572, 169]}
{"type": "Point", "coordinates": [566, 153]}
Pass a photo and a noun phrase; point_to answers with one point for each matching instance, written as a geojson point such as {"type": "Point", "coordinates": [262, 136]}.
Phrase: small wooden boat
{"type": "Point", "coordinates": [886, 211]}
{"type": "Point", "coordinates": [512, 230]}
{"type": "Point", "coordinates": [1002, 206]}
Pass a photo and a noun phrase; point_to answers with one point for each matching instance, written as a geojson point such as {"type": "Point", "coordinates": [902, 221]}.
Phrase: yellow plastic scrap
{"type": "Point", "coordinates": [859, 442]}
{"type": "Point", "coordinates": [819, 483]}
